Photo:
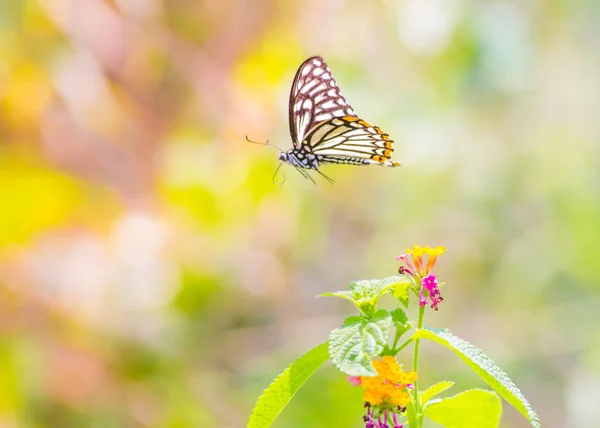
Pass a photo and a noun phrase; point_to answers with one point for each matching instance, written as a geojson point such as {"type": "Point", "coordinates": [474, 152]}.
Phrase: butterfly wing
{"type": "Point", "coordinates": [350, 140]}
{"type": "Point", "coordinates": [314, 98]}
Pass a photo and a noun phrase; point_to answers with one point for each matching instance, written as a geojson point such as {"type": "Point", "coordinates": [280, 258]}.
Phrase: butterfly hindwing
{"type": "Point", "coordinates": [314, 98]}
{"type": "Point", "coordinates": [350, 140]}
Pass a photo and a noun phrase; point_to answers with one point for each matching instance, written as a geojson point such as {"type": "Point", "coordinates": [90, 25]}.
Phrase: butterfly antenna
{"type": "Point", "coordinates": [331, 180]}
{"type": "Point", "coordinates": [263, 144]}
{"type": "Point", "coordinates": [275, 175]}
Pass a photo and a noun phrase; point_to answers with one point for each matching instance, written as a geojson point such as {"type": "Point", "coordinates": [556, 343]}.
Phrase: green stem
{"type": "Point", "coordinates": [396, 351]}
{"type": "Point", "coordinates": [416, 366]}
{"type": "Point", "coordinates": [396, 339]}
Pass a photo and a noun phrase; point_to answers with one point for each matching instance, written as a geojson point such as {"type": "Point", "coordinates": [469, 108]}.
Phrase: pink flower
{"type": "Point", "coordinates": [430, 283]}
{"type": "Point", "coordinates": [418, 271]}
{"type": "Point", "coordinates": [354, 380]}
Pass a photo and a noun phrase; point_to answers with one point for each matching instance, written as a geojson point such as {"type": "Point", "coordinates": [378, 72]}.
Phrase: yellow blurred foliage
{"type": "Point", "coordinates": [34, 198]}
{"type": "Point", "coordinates": [26, 93]}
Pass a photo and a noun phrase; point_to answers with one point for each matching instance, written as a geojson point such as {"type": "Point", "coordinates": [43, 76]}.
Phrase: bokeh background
{"type": "Point", "coordinates": [152, 274]}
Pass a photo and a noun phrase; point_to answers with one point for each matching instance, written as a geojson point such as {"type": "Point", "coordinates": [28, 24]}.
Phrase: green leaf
{"type": "Point", "coordinates": [485, 368]}
{"type": "Point", "coordinates": [400, 292]}
{"type": "Point", "coordinates": [411, 415]}
{"type": "Point", "coordinates": [401, 322]}
{"type": "Point", "coordinates": [353, 346]}
{"type": "Point", "coordinates": [375, 288]}
{"type": "Point", "coordinates": [472, 408]}
{"type": "Point", "coordinates": [434, 390]}
{"type": "Point", "coordinates": [352, 320]}
{"type": "Point", "coordinates": [366, 293]}
{"type": "Point", "coordinates": [348, 295]}
{"type": "Point", "coordinates": [274, 399]}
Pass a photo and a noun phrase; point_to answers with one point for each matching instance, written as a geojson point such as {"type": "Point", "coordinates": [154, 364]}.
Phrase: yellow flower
{"type": "Point", "coordinates": [417, 254]}
{"type": "Point", "coordinates": [432, 256]}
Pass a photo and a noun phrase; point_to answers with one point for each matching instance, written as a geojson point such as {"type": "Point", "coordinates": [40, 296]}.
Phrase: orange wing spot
{"type": "Point", "coordinates": [386, 137]}
{"type": "Point", "coordinates": [387, 153]}
{"type": "Point", "coordinates": [350, 118]}
{"type": "Point", "coordinates": [379, 131]}
{"type": "Point", "coordinates": [364, 123]}
{"type": "Point", "coordinates": [383, 159]}
{"type": "Point", "coordinates": [376, 158]}
{"type": "Point", "coordinates": [396, 164]}
{"type": "Point", "coordinates": [389, 145]}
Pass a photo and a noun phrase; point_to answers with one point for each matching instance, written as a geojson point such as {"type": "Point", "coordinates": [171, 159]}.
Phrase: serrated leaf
{"type": "Point", "coordinates": [485, 368]}
{"type": "Point", "coordinates": [400, 318]}
{"type": "Point", "coordinates": [434, 390]}
{"type": "Point", "coordinates": [375, 288]}
{"type": "Point", "coordinates": [401, 322]}
{"type": "Point", "coordinates": [274, 399]}
{"type": "Point", "coordinates": [353, 319]}
{"type": "Point", "coordinates": [472, 408]}
{"type": "Point", "coordinates": [343, 294]}
{"type": "Point", "coordinates": [366, 293]}
{"type": "Point", "coordinates": [353, 346]}
{"type": "Point", "coordinates": [400, 292]}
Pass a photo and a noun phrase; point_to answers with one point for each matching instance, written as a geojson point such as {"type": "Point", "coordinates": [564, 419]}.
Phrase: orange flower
{"type": "Point", "coordinates": [386, 394]}
{"type": "Point", "coordinates": [400, 398]}
{"type": "Point", "coordinates": [390, 385]}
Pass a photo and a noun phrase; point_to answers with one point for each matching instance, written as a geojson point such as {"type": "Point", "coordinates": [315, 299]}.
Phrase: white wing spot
{"type": "Point", "coordinates": [326, 76]}
{"type": "Point", "coordinates": [306, 70]}
{"type": "Point", "coordinates": [320, 98]}
{"type": "Point", "coordinates": [328, 105]}
{"type": "Point", "coordinates": [323, 116]}
{"type": "Point", "coordinates": [317, 71]}
{"type": "Point", "coordinates": [320, 88]}
{"type": "Point", "coordinates": [307, 104]}
{"type": "Point", "coordinates": [316, 62]}
{"type": "Point", "coordinates": [308, 86]}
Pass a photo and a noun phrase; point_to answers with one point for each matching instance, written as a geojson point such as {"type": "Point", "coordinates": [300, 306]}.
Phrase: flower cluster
{"type": "Point", "coordinates": [420, 274]}
{"type": "Point", "coordinates": [386, 394]}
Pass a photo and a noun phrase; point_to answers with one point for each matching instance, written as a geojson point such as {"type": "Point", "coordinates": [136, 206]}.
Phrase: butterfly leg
{"type": "Point", "coordinates": [331, 180]}
{"type": "Point", "coordinates": [305, 174]}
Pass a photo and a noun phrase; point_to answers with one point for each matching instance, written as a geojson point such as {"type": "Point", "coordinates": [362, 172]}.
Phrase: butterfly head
{"type": "Point", "coordinates": [283, 156]}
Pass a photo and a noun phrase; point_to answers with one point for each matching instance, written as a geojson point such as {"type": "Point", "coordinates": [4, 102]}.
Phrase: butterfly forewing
{"type": "Point", "coordinates": [315, 98]}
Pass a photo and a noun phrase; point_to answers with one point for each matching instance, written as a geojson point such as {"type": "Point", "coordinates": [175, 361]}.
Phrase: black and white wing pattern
{"type": "Point", "coordinates": [325, 129]}
{"type": "Point", "coordinates": [350, 140]}
{"type": "Point", "coordinates": [314, 98]}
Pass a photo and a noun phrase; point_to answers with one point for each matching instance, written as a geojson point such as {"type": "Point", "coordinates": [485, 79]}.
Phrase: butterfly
{"type": "Point", "coordinates": [325, 129]}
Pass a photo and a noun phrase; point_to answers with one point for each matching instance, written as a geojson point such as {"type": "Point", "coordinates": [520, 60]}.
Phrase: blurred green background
{"type": "Point", "coordinates": [153, 275]}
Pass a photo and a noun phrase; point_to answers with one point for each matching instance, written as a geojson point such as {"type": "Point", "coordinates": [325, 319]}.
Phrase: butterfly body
{"type": "Point", "coordinates": [301, 159]}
